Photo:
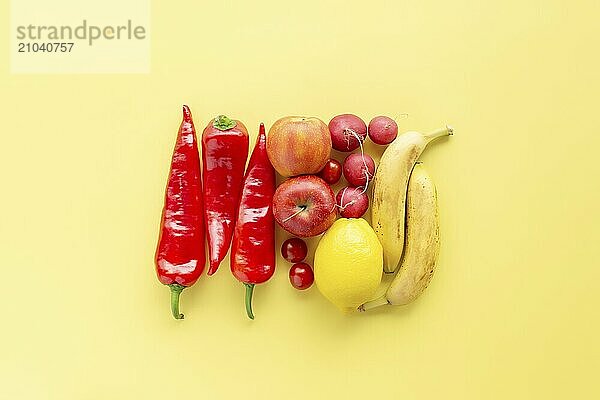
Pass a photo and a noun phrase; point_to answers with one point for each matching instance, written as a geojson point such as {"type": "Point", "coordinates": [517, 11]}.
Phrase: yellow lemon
{"type": "Point", "coordinates": [348, 263]}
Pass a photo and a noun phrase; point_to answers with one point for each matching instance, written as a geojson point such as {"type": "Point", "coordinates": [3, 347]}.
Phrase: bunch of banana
{"type": "Point", "coordinates": [405, 218]}
{"type": "Point", "coordinates": [422, 243]}
{"type": "Point", "coordinates": [389, 192]}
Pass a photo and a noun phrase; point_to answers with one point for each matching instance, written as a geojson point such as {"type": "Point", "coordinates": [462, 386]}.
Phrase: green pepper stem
{"type": "Point", "coordinates": [176, 290]}
{"type": "Point", "coordinates": [224, 123]}
{"type": "Point", "coordinates": [249, 290]}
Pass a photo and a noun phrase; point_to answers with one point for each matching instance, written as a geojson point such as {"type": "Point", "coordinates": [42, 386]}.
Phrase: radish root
{"type": "Point", "coordinates": [351, 132]}
{"type": "Point", "coordinates": [343, 206]}
{"type": "Point", "coordinates": [404, 115]}
{"type": "Point", "coordinates": [367, 175]}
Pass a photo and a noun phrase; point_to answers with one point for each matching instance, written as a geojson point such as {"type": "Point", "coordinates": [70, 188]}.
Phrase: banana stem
{"type": "Point", "coordinates": [446, 131]}
{"type": "Point", "coordinates": [369, 305]}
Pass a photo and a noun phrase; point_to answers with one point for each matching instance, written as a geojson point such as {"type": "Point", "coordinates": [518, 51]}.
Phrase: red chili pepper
{"type": "Point", "coordinates": [224, 154]}
{"type": "Point", "coordinates": [253, 250]}
{"type": "Point", "coordinates": [180, 253]}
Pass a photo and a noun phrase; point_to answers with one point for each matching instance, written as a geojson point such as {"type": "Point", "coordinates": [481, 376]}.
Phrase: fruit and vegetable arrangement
{"type": "Point", "coordinates": [221, 202]}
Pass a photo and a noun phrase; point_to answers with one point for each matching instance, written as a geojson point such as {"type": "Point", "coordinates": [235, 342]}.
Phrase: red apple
{"type": "Point", "coordinates": [304, 206]}
{"type": "Point", "coordinates": [298, 145]}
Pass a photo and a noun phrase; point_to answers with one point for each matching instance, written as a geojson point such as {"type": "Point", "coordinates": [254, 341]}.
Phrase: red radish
{"type": "Point", "coordinates": [294, 250]}
{"type": "Point", "coordinates": [359, 169]}
{"type": "Point", "coordinates": [383, 130]}
{"type": "Point", "coordinates": [332, 172]}
{"type": "Point", "coordinates": [347, 132]}
{"type": "Point", "coordinates": [352, 202]}
{"type": "Point", "coordinates": [301, 276]}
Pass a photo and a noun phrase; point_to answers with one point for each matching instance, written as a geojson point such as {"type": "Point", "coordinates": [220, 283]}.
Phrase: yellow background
{"type": "Point", "coordinates": [512, 312]}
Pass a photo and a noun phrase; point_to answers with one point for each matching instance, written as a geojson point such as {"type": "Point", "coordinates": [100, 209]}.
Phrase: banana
{"type": "Point", "coordinates": [422, 243]}
{"type": "Point", "coordinates": [389, 191]}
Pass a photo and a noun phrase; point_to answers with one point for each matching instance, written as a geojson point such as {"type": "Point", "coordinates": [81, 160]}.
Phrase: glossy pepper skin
{"type": "Point", "coordinates": [253, 249]}
{"type": "Point", "coordinates": [224, 154]}
{"type": "Point", "coordinates": [180, 254]}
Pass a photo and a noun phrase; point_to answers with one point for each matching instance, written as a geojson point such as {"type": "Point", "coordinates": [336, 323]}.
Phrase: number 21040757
{"type": "Point", "coordinates": [50, 47]}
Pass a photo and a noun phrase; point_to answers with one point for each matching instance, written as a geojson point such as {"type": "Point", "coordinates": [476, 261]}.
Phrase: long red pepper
{"type": "Point", "coordinates": [224, 154]}
{"type": "Point", "coordinates": [253, 249]}
{"type": "Point", "coordinates": [180, 252]}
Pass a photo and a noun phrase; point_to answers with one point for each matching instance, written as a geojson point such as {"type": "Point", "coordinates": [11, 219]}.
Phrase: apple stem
{"type": "Point", "coordinates": [302, 208]}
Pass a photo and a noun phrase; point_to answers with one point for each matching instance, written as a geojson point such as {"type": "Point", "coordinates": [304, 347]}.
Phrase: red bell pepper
{"type": "Point", "coordinates": [253, 249]}
{"type": "Point", "coordinates": [224, 154]}
{"type": "Point", "coordinates": [180, 255]}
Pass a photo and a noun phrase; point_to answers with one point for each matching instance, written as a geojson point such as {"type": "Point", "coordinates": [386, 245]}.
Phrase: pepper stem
{"type": "Point", "coordinates": [176, 290]}
{"type": "Point", "coordinates": [224, 123]}
{"type": "Point", "coordinates": [249, 290]}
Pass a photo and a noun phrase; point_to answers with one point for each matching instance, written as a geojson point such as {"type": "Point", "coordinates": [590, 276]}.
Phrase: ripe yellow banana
{"type": "Point", "coordinates": [422, 243]}
{"type": "Point", "coordinates": [389, 191]}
